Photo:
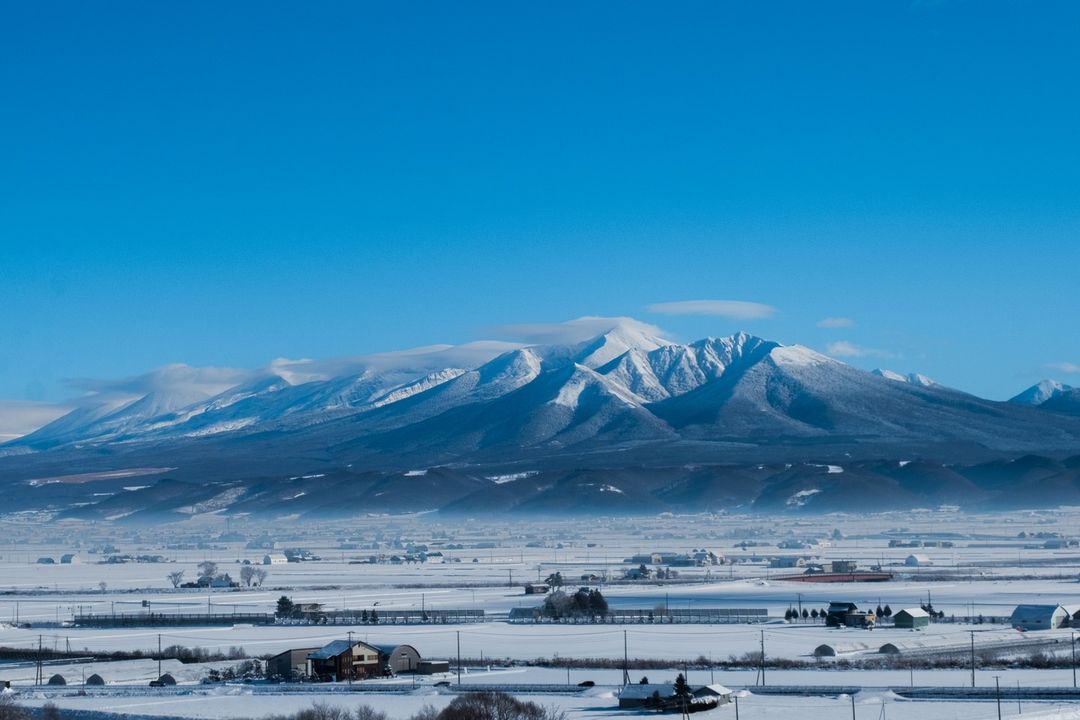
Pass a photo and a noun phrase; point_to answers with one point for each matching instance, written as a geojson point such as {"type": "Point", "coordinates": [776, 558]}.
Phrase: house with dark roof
{"type": "Point", "coordinates": [344, 660]}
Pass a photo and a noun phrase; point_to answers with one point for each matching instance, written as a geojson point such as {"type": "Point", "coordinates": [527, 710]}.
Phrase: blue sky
{"type": "Point", "coordinates": [227, 183]}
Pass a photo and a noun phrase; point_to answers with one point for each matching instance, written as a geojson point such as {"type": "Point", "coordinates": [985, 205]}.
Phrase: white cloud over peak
{"type": "Point", "coordinates": [835, 322]}
{"type": "Point", "coordinates": [573, 331]}
{"type": "Point", "coordinates": [1065, 367]}
{"type": "Point", "coordinates": [733, 309]}
{"type": "Point", "coordinates": [843, 348]}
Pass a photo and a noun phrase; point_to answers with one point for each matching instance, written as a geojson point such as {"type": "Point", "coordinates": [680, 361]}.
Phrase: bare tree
{"type": "Point", "coordinates": [260, 576]}
{"type": "Point", "coordinates": [10, 711]}
{"type": "Point", "coordinates": [247, 575]}
{"type": "Point", "coordinates": [207, 569]}
{"type": "Point", "coordinates": [176, 577]}
{"type": "Point", "coordinates": [103, 586]}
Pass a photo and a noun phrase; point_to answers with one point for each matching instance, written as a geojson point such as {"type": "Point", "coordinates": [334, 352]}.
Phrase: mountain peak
{"type": "Point", "coordinates": [911, 378]}
{"type": "Point", "coordinates": [1040, 392]}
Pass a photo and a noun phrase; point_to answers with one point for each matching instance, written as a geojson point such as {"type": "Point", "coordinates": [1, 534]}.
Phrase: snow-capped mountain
{"type": "Point", "coordinates": [1040, 392]}
{"type": "Point", "coordinates": [622, 401]}
{"type": "Point", "coordinates": [910, 378]}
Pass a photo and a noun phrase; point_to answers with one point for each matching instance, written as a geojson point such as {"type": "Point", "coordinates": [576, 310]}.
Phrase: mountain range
{"type": "Point", "coordinates": [624, 421]}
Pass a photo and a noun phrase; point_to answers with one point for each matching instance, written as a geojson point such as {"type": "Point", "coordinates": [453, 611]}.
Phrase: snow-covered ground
{"type": "Point", "coordinates": [233, 702]}
{"type": "Point", "coordinates": [995, 563]}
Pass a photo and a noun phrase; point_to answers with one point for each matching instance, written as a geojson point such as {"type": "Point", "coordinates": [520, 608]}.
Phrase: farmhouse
{"type": "Point", "coordinates": [911, 618]}
{"type": "Point", "coordinates": [837, 613]}
{"type": "Point", "coordinates": [849, 615]}
{"type": "Point", "coordinates": [342, 660]}
{"type": "Point", "coordinates": [1039, 617]}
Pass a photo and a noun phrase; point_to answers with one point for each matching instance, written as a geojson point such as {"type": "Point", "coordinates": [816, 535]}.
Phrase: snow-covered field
{"type": "Point", "coordinates": [994, 563]}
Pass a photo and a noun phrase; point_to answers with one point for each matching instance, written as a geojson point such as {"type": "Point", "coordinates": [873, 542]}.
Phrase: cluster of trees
{"type": "Point", "coordinates": [247, 670]}
{"type": "Point", "coordinates": [583, 603]}
{"type": "Point", "coordinates": [470, 706]}
{"type": "Point", "coordinates": [554, 580]}
{"type": "Point", "coordinates": [792, 614]}
{"type": "Point", "coordinates": [250, 575]}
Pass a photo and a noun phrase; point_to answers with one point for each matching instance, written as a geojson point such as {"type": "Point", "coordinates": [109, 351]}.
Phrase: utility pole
{"type": "Point", "coordinates": [852, 706]}
{"type": "Point", "coordinates": [352, 664]}
{"type": "Point", "coordinates": [997, 689]}
{"type": "Point", "coordinates": [1073, 636]}
{"type": "Point", "coordinates": [972, 658]}
{"type": "Point", "coordinates": [39, 650]}
{"type": "Point", "coordinates": [762, 658]}
{"type": "Point", "coordinates": [159, 656]}
{"type": "Point", "coordinates": [459, 658]}
{"type": "Point", "coordinates": [625, 661]}
{"type": "Point", "coordinates": [736, 705]}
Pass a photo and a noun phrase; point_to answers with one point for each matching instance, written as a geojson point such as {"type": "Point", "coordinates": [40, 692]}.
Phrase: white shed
{"type": "Point", "coordinates": [918, 560]}
{"type": "Point", "coordinates": [275, 559]}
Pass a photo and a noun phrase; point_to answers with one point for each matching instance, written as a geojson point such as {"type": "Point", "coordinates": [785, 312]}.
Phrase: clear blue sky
{"type": "Point", "coordinates": [226, 183]}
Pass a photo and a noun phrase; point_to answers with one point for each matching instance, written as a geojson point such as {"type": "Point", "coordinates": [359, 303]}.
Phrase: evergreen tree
{"type": "Point", "coordinates": [285, 607]}
{"type": "Point", "coordinates": [682, 691]}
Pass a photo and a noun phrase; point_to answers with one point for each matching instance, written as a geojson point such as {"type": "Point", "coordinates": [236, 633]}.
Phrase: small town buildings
{"type": "Point", "coordinates": [1039, 617]}
{"type": "Point", "coordinates": [911, 618]}
{"type": "Point", "coordinates": [917, 560]}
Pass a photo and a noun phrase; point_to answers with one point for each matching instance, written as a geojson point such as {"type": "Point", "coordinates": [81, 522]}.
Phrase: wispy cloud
{"type": "Point", "coordinates": [843, 348]}
{"type": "Point", "coordinates": [835, 322]}
{"type": "Point", "coordinates": [1065, 367]}
{"type": "Point", "coordinates": [17, 418]}
{"type": "Point", "coordinates": [734, 309]}
{"type": "Point", "coordinates": [208, 380]}
{"type": "Point", "coordinates": [573, 331]}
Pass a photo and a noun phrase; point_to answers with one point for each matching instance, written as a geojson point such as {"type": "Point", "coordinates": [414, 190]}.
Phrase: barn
{"type": "Point", "coordinates": [1039, 617]}
{"type": "Point", "coordinates": [398, 658]}
{"type": "Point", "coordinates": [911, 618]}
{"type": "Point", "coordinates": [289, 664]}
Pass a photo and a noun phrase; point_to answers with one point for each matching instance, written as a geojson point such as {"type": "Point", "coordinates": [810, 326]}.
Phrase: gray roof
{"type": "Point", "coordinates": [389, 649]}
{"type": "Point", "coordinates": [331, 650]}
